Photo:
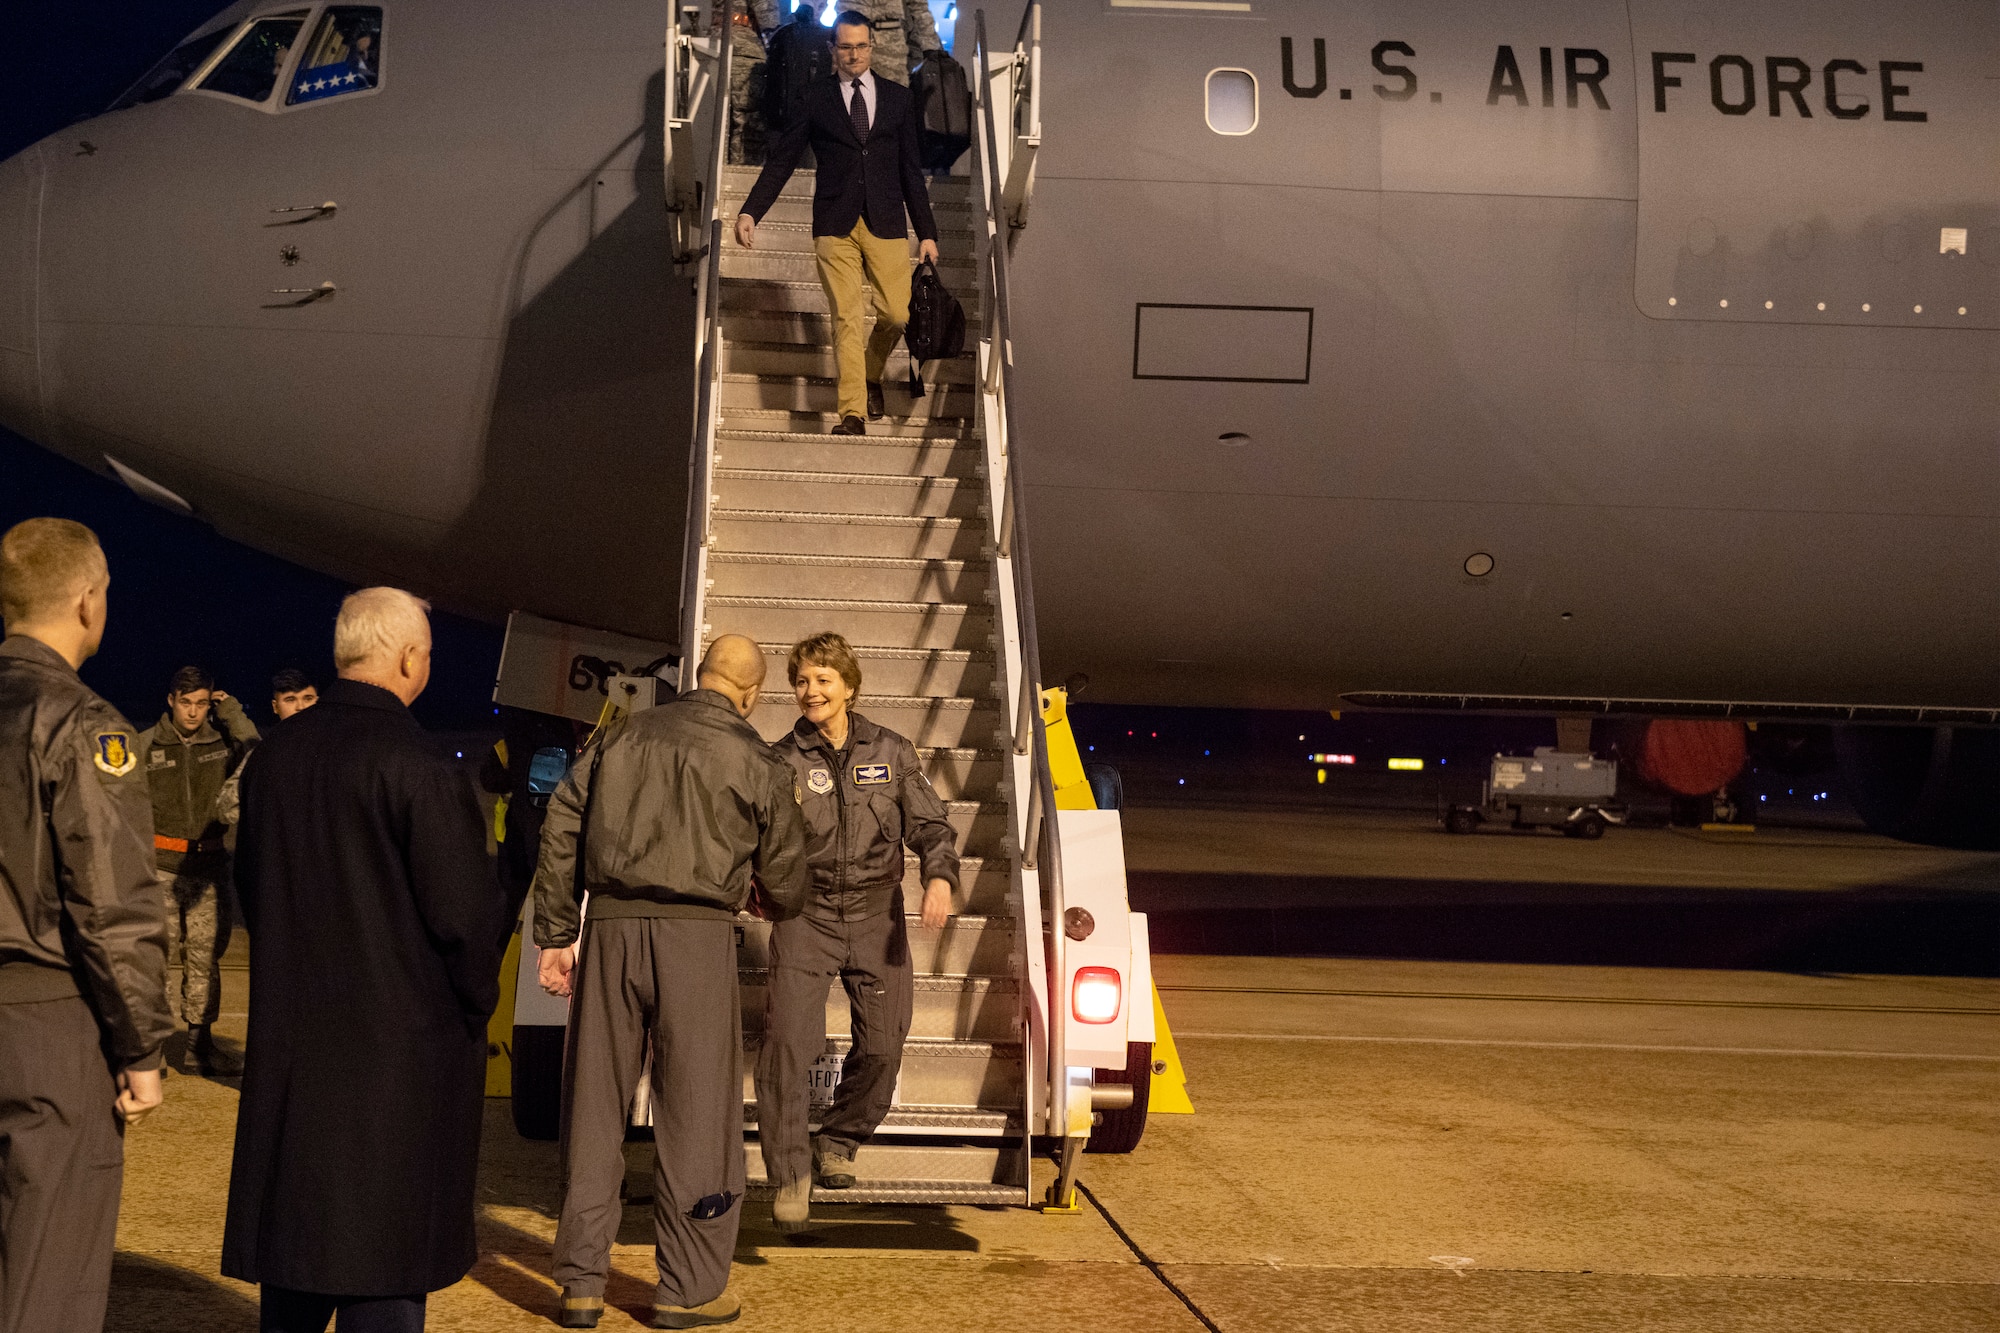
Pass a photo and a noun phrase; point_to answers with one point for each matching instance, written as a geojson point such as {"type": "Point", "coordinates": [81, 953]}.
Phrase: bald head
{"type": "Point", "coordinates": [733, 667]}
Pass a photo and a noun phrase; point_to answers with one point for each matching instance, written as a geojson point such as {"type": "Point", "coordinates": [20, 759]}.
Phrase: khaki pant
{"type": "Point", "coordinates": [842, 261]}
{"type": "Point", "coordinates": [64, 1157]}
{"type": "Point", "coordinates": [198, 929]}
{"type": "Point", "coordinates": [668, 985]}
{"type": "Point", "coordinates": [871, 957]}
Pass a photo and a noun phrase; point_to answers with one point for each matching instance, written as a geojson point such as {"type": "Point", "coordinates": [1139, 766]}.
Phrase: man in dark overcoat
{"type": "Point", "coordinates": [378, 924]}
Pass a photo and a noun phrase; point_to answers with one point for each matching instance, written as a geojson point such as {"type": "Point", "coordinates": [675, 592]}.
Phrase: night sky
{"type": "Point", "coordinates": [180, 593]}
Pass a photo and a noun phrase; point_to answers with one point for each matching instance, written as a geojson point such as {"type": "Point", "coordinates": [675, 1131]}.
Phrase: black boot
{"type": "Point", "coordinates": [877, 406]}
{"type": "Point", "coordinates": [211, 1059]}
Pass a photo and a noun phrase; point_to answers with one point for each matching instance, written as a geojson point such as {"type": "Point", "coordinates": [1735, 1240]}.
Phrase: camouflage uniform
{"type": "Point", "coordinates": [192, 781]}
{"type": "Point", "coordinates": [747, 134]}
{"type": "Point", "coordinates": [904, 30]}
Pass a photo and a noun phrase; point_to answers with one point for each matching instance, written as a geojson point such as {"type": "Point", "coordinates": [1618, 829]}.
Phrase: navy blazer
{"type": "Point", "coordinates": [875, 180]}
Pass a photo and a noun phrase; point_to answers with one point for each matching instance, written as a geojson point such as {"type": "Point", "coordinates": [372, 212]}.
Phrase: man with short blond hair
{"type": "Point", "coordinates": [83, 1006]}
{"type": "Point", "coordinates": [361, 864]}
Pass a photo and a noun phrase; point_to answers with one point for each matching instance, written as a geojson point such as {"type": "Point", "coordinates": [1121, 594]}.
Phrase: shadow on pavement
{"type": "Point", "coordinates": [147, 1294]}
{"type": "Point", "coordinates": [1935, 926]}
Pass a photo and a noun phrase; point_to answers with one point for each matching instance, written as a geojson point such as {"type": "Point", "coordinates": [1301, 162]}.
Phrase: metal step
{"type": "Point", "coordinates": [975, 1008]}
{"type": "Point", "coordinates": [800, 266]}
{"type": "Point", "coordinates": [796, 208]}
{"type": "Point", "coordinates": [886, 493]}
{"type": "Point", "coordinates": [937, 723]}
{"type": "Point", "coordinates": [915, 1173]}
{"type": "Point", "coordinates": [792, 234]}
{"type": "Point", "coordinates": [910, 456]}
{"type": "Point", "coordinates": [945, 191]}
{"type": "Point", "coordinates": [902, 624]}
{"type": "Point", "coordinates": [965, 946]}
{"type": "Point", "coordinates": [783, 326]}
{"type": "Point", "coordinates": [784, 421]}
{"type": "Point", "coordinates": [804, 295]}
{"type": "Point", "coordinates": [855, 534]}
{"type": "Point", "coordinates": [791, 360]}
{"type": "Point", "coordinates": [925, 1121]}
{"type": "Point", "coordinates": [817, 393]}
{"type": "Point", "coordinates": [974, 1075]}
{"type": "Point", "coordinates": [880, 578]}
{"type": "Point", "coordinates": [929, 673]}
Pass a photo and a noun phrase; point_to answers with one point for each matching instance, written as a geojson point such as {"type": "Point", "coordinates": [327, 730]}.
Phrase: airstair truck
{"type": "Point", "coordinates": [1034, 1006]}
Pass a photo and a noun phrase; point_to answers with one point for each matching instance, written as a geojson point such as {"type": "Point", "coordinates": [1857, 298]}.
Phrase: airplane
{"type": "Point", "coordinates": [1570, 357]}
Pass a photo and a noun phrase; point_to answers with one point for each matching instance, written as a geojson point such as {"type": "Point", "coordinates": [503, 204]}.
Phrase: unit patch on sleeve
{"type": "Point", "coordinates": [871, 775]}
{"type": "Point", "coordinates": [113, 753]}
{"type": "Point", "coordinates": [820, 781]}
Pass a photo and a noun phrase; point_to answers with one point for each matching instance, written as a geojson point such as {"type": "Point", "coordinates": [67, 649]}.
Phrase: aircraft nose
{"type": "Point", "coordinates": [20, 257]}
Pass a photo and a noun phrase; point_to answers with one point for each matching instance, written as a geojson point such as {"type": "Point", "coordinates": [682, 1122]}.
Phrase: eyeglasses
{"type": "Point", "coordinates": [853, 46]}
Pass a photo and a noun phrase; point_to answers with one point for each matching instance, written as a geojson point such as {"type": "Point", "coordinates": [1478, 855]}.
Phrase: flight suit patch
{"type": "Point", "coordinates": [159, 758]}
{"type": "Point", "coordinates": [112, 752]}
{"type": "Point", "coordinates": [871, 775]}
{"type": "Point", "coordinates": [820, 781]}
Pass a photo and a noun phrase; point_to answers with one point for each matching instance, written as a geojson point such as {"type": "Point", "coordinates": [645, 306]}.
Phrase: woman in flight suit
{"type": "Point", "coordinates": [865, 800]}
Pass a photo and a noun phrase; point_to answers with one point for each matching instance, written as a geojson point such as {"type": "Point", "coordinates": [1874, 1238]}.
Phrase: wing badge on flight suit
{"type": "Point", "coordinates": [113, 753]}
{"type": "Point", "coordinates": [871, 775]}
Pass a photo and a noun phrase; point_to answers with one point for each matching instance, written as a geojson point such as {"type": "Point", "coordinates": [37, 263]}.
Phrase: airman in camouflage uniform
{"type": "Point", "coordinates": [191, 767]}
{"type": "Point", "coordinates": [747, 134]}
{"type": "Point", "coordinates": [904, 30]}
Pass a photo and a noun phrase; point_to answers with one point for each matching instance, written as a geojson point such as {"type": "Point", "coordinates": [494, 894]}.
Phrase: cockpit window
{"type": "Point", "coordinates": [251, 69]}
{"type": "Point", "coordinates": [172, 71]}
{"type": "Point", "coordinates": [345, 55]}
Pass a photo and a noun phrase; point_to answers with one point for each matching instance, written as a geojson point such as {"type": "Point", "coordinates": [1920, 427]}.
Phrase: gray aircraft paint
{"type": "Point", "coordinates": [1680, 502]}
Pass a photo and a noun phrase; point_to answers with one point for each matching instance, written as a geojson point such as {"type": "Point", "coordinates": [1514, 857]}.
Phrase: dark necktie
{"type": "Point", "coordinates": [857, 110]}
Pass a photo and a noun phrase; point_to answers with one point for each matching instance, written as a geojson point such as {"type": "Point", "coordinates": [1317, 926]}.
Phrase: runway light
{"type": "Point", "coordinates": [1329, 758]}
{"type": "Point", "coordinates": [1406, 765]}
{"type": "Point", "coordinates": [1095, 994]}
{"type": "Point", "coordinates": [1322, 777]}
{"type": "Point", "coordinates": [1183, 782]}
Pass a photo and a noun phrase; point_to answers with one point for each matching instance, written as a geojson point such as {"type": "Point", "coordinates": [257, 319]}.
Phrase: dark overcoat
{"type": "Point", "coordinates": [376, 924]}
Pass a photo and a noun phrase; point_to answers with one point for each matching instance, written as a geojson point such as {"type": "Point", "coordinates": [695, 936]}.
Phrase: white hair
{"type": "Point", "coordinates": [378, 623]}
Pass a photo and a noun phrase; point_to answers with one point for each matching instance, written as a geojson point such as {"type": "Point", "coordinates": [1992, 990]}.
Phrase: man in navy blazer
{"type": "Point", "coordinates": [863, 132]}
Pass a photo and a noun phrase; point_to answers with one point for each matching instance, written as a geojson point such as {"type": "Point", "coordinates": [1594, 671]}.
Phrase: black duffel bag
{"type": "Point", "coordinates": [936, 330]}
{"type": "Point", "coordinates": [944, 110]}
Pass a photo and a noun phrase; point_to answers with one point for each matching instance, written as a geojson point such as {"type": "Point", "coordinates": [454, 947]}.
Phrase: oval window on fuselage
{"type": "Point", "coordinates": [1232, 101]}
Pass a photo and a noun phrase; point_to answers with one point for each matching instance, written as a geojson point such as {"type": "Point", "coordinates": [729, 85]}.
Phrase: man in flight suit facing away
{"type": "Point", "coordinates": [83, 1005]}
{"type": "Point", "coordinates": [663, 820]}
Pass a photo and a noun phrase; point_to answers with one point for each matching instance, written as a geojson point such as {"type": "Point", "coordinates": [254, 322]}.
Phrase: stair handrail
{"type": "Point", "coordinates": [1041, 843]}
{"type": "Point", "coordinates": [707, 261]}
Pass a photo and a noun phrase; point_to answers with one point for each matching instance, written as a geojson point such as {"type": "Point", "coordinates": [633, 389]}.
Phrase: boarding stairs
{"type": "Point", "coordinates": [882, 538]}
{"type": "Point", "coordinates": [897, 540]}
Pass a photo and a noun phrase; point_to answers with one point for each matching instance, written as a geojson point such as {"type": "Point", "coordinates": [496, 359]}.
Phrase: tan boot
{"type": "Point", "coordinates": [722, 1310]}
{"type": "Point", "coordinates": [792, 1209]}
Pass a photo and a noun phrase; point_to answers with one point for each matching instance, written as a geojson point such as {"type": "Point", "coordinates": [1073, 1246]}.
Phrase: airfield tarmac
{"type": "Point", "coordinates": [1378, 1143]}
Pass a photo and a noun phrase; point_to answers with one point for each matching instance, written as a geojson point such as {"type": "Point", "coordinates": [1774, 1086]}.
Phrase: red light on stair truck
{"type": "Point", "coordinates": [1095, 994]}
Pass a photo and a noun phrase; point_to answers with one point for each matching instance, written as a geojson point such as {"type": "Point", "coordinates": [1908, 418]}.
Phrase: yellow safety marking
{"type": "Point", "coordinates": [500, 818]}
{"type": "Point", "coordinates": [1065, 764]}
{"type": "Point", "coordinates": [500, 1027]}
{"type": "Point", "coordinates": [1168, 1095]}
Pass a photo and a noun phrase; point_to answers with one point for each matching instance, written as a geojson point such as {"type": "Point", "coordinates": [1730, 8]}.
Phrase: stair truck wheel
{"type": "Point", "coordinates": [538, 1066]}
{"type": "Point", "coordinates": [1461, 821]}
{"type": "Point", "coordinates": [1589, 828]}
{"type": "Point", "coordinates": [1120, 1131]}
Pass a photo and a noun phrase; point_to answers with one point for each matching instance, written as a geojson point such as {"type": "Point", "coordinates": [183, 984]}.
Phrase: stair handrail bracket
{"type": "Point", "coordinates": [702, 125]}
{"type": "Point", "coordinates": [1052, 1106]}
